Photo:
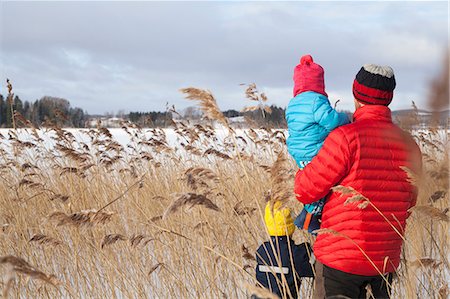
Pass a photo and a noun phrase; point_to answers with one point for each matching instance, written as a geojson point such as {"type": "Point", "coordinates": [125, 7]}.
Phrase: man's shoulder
{"type": "Point", "coordinates": [346, 134]}
{"type": "Point", "coordinates": [346, 130]}
{"type": "Point", "coordinates": [360, 129]}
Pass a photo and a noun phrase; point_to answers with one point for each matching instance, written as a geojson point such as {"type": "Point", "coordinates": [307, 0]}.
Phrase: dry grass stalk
{"type": "Point", "coordinates": [156, 218]}
{"type": "Point", "coordinates": [413, 178]}
{"type": "Point", "coordinates": [137, 239]}
{"type": "Point", "coordinates": [72, 153]}
{"type": "Point", "coordinates": [344, 190]}
{"type": "Point", "coordinates": [213, 151]}
{"type": "Point", "coordinates": [437, 195]}
{"type": "Point", "coordinates": [432, 212]}
{"type": "Point", "coordinates": [356, 196]}
{"type": "Point", "coordinates": [11, 102]}
{"type": "Point", "coordinates": [443, 291]}
{"type": "Point", "coordinates": [19, 265]}
{"type": "Point", "coordinates": [199, 178]}
{"type": "Point", "coordinates": [226, 264]}
{"type": "Point", "coordinates": [154, 268]}
{"type": "Point", "coordinates": [45, 240]}
{"type": "Point", "coordinates": [22, 120]}
{"type": "Point", "coordinates": [243, 210]}
{"type": "Point", "coordinates": [60, 197]}
{"type": "Point", "coordinates": [280, 181]}
{"type": "Point", "coordinates": [111, 239]}
{"type": "Point", "coordinates": [201, 225]}
{"type": "Point", "coordinates": [29, 183]}
{"type": "Point", "coordinates": [190, 200]}
{"type": "Point", "coordinates": [246, 254]}
{"type": "Point", "coordinates": [192, 149]}
{"type": "Point", "coordinates": [260, 292]}
{"type": "Point", "coordinates": [82, 218]}
{"type": "Point", "coordinates": [426, 262]}
{"type": "Point", "coordinates": [253, 94]}
{"type": "Point", "coordinates": [73, 170]}
{"type": "Point", "coordinates": [208, 104]}
{"type": "Point", "coordinates": [327, 231]}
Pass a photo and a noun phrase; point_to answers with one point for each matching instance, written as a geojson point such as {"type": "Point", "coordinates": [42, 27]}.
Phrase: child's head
{"type": "Point", "coordinates": [308, 76]}
{"type": "Point", "coordinates": [278, 223]}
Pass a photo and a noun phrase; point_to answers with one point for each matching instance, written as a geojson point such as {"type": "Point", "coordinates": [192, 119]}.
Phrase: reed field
{"type": "Point", "coordinates": [83, 215]}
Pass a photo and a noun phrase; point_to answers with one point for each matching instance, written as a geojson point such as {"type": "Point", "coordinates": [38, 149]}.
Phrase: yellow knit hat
{"type": "Point", "coordinates": [280, 222]}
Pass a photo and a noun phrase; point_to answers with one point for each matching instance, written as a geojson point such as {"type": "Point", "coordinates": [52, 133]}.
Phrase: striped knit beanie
{"type": "Point", "coordinates": [374, 85]}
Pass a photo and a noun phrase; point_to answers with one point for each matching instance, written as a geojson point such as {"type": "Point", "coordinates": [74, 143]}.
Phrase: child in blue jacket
{"type": "Point", "coordinates": [310, 118]}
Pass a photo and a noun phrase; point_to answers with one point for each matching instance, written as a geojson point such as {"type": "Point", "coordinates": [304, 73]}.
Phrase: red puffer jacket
{"type": "Point", "coordinates": [366, 155]}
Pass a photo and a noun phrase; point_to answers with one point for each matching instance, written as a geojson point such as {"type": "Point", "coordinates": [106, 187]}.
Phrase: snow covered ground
{"type": "Point", "coordinates": [173, 139]}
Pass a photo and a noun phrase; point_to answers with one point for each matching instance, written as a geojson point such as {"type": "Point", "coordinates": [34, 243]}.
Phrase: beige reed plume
{"type": "Point", "coordinates": [45, 240]}
{"type": "Point", "coordinates": [432, 212]}
{"type": "Point", "coordinates": [280, 181]}
{"type": "Point", "coordinates": [111, 239]}
{"type": "Point", "coordinates": [356, 196]}
{"type": "Point", "coordinates": [209, 106]}
{"type": "Point", "coordinates": [207, 102]}
{"type": "Point", "coordinates": [18, 265]}
{"type": "Point", "coordinates": [11, 102]}
{"type": "Point", "coordinates": [190, 200]}
{"type": "Point", "coordinates": [260, 292]}
{"type": "Point", "coordinates": [253, 94]}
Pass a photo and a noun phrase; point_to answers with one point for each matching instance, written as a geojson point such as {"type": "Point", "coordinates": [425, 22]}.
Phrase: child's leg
{"type": "Point", "coordinates": [308, 221]}
{"type": "Point", "coordinates": [315, 207]}
{"type": "Point", "coordinates": [309, 218]}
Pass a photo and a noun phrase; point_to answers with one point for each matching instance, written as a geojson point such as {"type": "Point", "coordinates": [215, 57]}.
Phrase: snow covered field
{"type": "Point", "coordinates": [172, 138]}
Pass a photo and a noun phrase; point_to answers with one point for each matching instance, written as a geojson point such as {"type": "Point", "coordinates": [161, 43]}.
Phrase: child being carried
{"type": "Point", "coordinates": [310, 118]}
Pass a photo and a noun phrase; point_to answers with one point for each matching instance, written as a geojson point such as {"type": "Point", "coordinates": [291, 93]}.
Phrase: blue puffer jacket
{"type": "Point", "coordinates": [310, 118]}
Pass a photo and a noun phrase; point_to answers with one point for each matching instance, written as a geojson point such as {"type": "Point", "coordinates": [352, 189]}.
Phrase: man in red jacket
{"type": "Point", "coordinates": [361, 240]}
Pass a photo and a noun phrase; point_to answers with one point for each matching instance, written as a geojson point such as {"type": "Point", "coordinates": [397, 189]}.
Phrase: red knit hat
{"type": "Point", "coordinates": [374, 85]}
{"type": "Point", "coordinates": [308, 76]}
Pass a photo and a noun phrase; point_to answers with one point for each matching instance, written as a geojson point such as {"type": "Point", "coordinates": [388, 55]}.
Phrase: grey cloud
{"type": "Point", "coordinates": [135, 56]}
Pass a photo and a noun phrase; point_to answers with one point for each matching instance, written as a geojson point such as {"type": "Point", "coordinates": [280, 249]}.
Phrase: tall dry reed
{"type": "Point", "coordinates": [91, 217]}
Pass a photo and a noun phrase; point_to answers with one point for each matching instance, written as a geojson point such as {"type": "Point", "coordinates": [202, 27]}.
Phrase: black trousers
{"type": "Point", "coordinates": [339, 284]}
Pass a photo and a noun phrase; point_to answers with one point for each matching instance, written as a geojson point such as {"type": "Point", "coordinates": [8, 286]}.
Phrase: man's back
{"type": "Point", "coordinates": [368, 156]}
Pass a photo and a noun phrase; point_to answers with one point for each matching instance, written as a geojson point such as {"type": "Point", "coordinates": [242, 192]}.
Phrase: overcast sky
{"type": "Point", "coordinates": [135, 56]}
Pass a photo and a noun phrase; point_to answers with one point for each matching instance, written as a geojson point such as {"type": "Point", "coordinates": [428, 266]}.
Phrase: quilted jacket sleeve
{"type": "Point", "coordinates": [331, 164]}
{"type": "Point", "coordinates": [326, 116]}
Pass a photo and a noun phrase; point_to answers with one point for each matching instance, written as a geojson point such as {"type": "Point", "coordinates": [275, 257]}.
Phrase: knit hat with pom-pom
{"type": "Point", "coordinates": [308, 76]}
{"type": "Point", "coordinates": [374, 85]}
{"type": "Point", "coordinates": [278, 220]}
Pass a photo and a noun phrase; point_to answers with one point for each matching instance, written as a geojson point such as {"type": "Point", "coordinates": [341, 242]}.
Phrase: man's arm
{"type": "Point", "coordinates": [326, 116]}
{"type": "Point", "coordinates": [330, 165]}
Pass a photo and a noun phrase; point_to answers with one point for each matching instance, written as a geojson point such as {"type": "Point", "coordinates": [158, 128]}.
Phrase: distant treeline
{"type": "Point", "coordinates": [45, 111]}
{"type": "Point", "coordinates": [250, 118]}
{"type": "Point", "coordinates": [257, 118]}
{"type": "Point", "coordinates": [57, 111]}
{"type": "Point", "coordinates": [151, 119]}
